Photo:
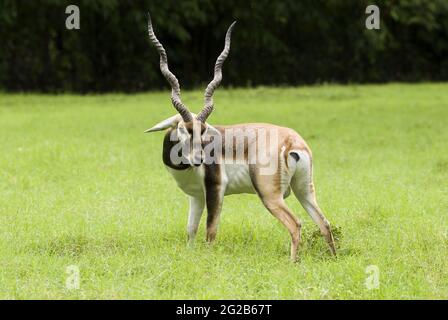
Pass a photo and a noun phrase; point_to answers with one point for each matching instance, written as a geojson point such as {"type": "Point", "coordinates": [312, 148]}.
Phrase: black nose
{"type": "Point", "coordinates": [198, 162]}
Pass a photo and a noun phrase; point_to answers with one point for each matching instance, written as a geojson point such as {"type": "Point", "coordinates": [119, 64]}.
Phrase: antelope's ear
{"type": "Point", "coordinates": [167, 123]}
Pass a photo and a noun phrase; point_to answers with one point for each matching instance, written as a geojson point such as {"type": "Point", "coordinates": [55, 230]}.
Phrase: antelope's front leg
{"type": "Point", "coordinates": [197, 205]}
{"type": "Point", "coordinates": [214, 195]}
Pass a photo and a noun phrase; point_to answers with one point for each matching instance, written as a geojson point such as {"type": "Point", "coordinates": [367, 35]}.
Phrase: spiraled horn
{"type": "Point", "coordinates": [208, 96]}
{"type": "Point", "coordinates": [171, 78]}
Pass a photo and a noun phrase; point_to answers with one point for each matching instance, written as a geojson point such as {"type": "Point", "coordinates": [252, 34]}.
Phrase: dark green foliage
{"type": "Point", "coordinates": [274, 43]}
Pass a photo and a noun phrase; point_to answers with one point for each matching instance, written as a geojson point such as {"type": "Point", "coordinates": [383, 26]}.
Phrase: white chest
{"type": "Point", "coordinates": [190, 181]}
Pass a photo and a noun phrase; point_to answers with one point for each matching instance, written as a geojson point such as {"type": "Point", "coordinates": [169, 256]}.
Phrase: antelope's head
{"type": "Point", "coordinates": [189, 129]}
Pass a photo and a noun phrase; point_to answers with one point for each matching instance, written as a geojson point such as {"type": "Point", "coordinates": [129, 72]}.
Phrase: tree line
{"type": "Point", "coordinates": [288, 42]}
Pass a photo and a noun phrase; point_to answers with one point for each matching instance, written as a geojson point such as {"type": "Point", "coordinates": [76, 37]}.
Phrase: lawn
{"type": "Point", "coordinates": [82, 187]}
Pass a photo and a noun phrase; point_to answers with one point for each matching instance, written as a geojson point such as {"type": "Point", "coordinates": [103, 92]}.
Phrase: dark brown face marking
{"type": "Point", "coordinates": [167, 146]}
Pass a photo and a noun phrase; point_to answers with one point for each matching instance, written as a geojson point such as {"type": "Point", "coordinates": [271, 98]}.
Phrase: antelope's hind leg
{"type": "Point", "coordinates": [269, 190]}
{"type": "Point", "coordinates": [310, 205]}
{"type": "Point", "coordinates": [303, 188]}
{"type": "Point", "coordinates": [277, 206]}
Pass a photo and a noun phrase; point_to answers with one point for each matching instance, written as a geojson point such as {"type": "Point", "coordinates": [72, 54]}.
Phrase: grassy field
{"type": "Point", "coordinates": [81, 185]}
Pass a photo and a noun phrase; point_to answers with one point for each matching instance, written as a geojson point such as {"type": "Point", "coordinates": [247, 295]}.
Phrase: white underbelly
{"type": "Point", "coordinates": [238, 179]}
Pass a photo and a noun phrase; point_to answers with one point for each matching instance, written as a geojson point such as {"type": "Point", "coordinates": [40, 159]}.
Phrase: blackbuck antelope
{"type": "Point", "coordinates": [209, 162]}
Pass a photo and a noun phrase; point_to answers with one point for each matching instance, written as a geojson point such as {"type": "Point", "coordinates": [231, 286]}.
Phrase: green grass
{"type": "Point", "coordinates": [80, 184]}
